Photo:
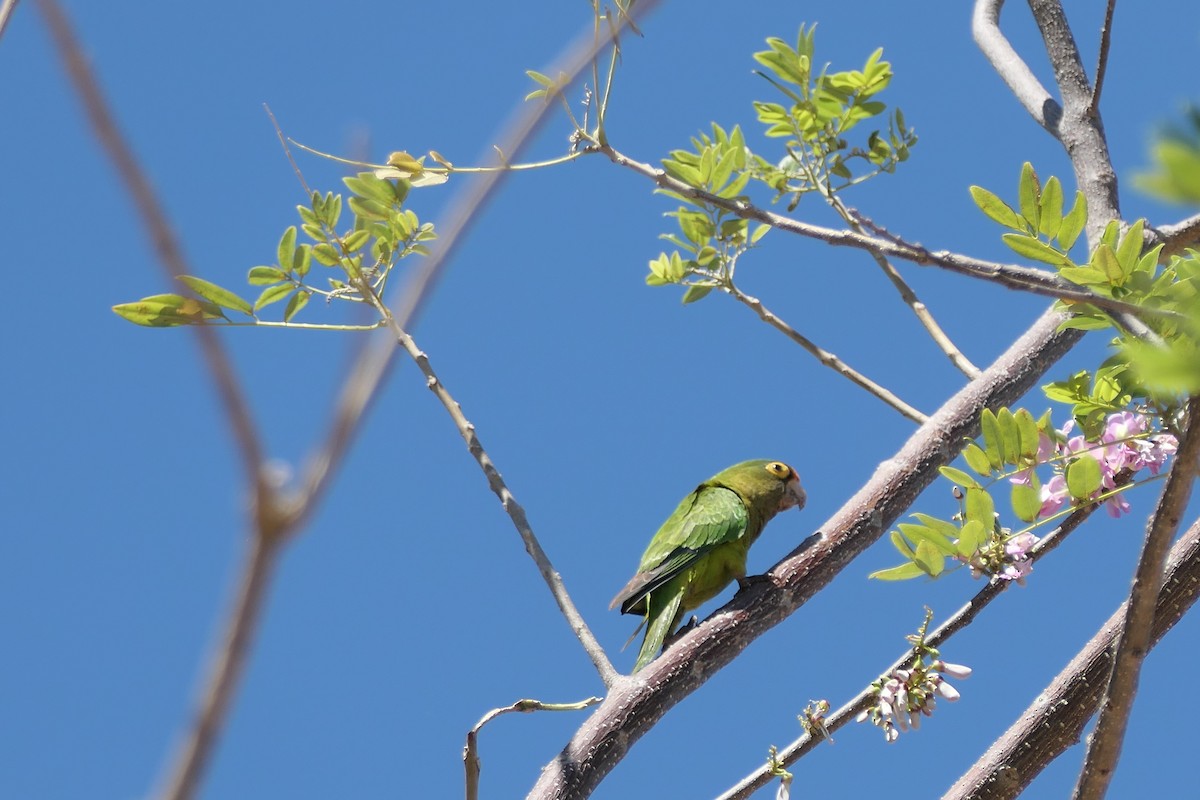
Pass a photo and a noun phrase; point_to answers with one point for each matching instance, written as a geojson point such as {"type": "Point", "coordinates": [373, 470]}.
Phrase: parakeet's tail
{"type": "Point", "coordinates": [634, 635]}
{"type": "Point", "coordinates": [664, 611]}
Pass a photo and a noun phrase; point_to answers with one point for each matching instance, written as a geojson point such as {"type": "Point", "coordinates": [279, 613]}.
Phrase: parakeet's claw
{"type": "Point", "coordinates": [691, 623]}
{"type": "Point", "coordinates": [747, 581]}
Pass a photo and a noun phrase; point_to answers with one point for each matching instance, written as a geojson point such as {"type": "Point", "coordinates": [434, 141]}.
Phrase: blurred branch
{"type": "Point", "coordinates": [375, 358]}
{"type": "Point", "coordinates": [471, 762]}
{"type": "Point", "coordinates": [1102, 58]}
{"type": "Point", "coordinates": [824, 356]}
{"type": "Point", "coordinates": [863, 700]}
{"type": "Point", "coordinates": [635, 705]}
{"type": "Point", "coordinates": [166, 246]}
{"type": "Point", "coordinates": [1136, 633]}
{"type": "Point", "coordinates": [1012, 276]}
{"type": "Point", "coordinates": [1175, 237]}
{"type": "Point", "coordinates": [515, 512]}
{"type": "Point", "coordinates": [1056, 718]}
{"type": "Point", "coordinates": [6, 11]}
{"type": "Point", "coordinates": [985, 28]}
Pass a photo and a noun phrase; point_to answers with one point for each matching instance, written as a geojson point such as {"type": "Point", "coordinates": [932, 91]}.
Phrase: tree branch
{"type": "Point", "coordinates": [635, 704]}
{"type": "Point", "coordinates": [516, 513]}
{"type": "Point", "coordinates": [1056, 718]}
{"type": "Point", "coordinates": [1012, 276]}
{"type": "Point", "coordinates": [985, 28]}
{"type": "Point", "coordinates": [956, 622]}
{"type": "Point", "coordinates": [1176, 237]}
{"type": "Point", "coordinates": [825, 357]}
{"type": "Point", "coordinates": [1136, 634]}
{"type": "Point", "coordinates": [1102, 58]}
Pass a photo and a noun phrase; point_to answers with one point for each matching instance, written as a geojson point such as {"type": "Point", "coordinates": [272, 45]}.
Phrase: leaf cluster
{"type": "Point", "coordinates": [381, 234]}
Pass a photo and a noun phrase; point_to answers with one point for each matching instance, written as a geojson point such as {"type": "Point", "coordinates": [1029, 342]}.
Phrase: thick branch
{"type": "Point", "coordinates": [635, 704]}
{"type": "Point", "coordinates": [1176, 237]}
{"type": "Point", "coordinates": [1056, 719]}
{"type": "Point", "coordinates": [1104, 745]}
{"type": "Point", "coordinates": [985, 28]}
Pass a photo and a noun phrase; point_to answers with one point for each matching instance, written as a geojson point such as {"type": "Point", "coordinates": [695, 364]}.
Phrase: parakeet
{"type": "Point", "coordinates": [703, 545]}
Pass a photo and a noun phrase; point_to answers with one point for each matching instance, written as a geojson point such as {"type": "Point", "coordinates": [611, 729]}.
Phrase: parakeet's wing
{"type": "Point", "coordinates": [708, 517]}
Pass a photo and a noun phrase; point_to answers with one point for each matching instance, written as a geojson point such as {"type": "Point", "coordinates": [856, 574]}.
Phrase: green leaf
{"type": "Point", "coordinates": [324, 253]}
{"type": "Point", "coordinates": [216, 294]}
{"type": "Point", "coordinates": [990, 430]}
{"type": "Point", "coordinates": [1130, 249]}
{"type": "Point", "coordinates": [1072, 223]}
{"type": "Point", "coordinates": [1083, 477]}
{"type": "Point", "coordinates": [264, 276]}
{"type": "Point", "coordinates": [371, 187]}
{"type": "Point", "coordinates": [1026, 502]}
{"type": "Point", "coordinates": [162, 311]}
{"type": "Point", "coordinates": [303, 260]}
{"type": "Point", "coordinates": [1035, 249]}
{"type": "Point", "coordinates": [1010, 437]}
{"type": "Point", "coordinates": [1028, 433]}
{"type": "Point", "coordinates": [696, 291]}
{"type": "Point", "coordinates": [971, 538]}
{"type": "Point", "coordinates": [287, 248]}
{"type": "Point", "coordinates": [901, 544]}
{"type": "Point", "coordinates": [929, 558]}
{"type": "Point", "coordinates": [1028, 192]}
{"type": "Point", "coordinates": [299, 300]}
{"type": "Point", "coordinates": [996, 209]}
{"type": "Point", "coordinates": [980, 507]}
{"type": "Point", "coordinates": [356, 240]}
{"type": "Point", "coordinates": [1105, 261]}
{"type": "Point", "coordinates": [273, 294]}
{"type": "Point", "coordinates": [944, 527]}
{"type": "Point", "coordinates": [920, 533]}
{"type": "Point", "coordinates": [903, 572]}
{"type": "Point", "coordinates": [957, 476]}
{"type": "Point", "coordinates": [1050, 207]}
{"type": "Point", "coordinates": [977, 459]}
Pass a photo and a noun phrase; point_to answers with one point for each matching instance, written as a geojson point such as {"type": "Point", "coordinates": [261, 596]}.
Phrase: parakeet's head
{"type": "Point", "coordinates": [770, 485]}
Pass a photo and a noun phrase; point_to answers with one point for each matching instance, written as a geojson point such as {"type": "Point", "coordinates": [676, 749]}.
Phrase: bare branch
{"type": "Point", "coordinates": [955, 623]}
{"type": "Point", "coordinates": [825, 357]}
{"type": "Point", "coordinates": [375, 358]}
{"type": "Point", "coordinates": [985, 27]}
{"type": "Point", "coordinates": [516, 513]}
{"type": "Point", "coordinates": [471, 762]}
{"type": "Point", "coordinates": [635, 704]}
{"type": "Point", "coordinates": [1102, 58]}
{"type": "Point", "coordinates": [1012, 276]}
{"type": "Point", "coordinates": [1136, 635]}
{"type": "Point", "coordinates": [7, 8]}
{"type": "Point", "coordinates": [1056, 718]}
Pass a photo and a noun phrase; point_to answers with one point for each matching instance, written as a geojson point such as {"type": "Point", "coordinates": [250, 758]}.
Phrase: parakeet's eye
{"type": "Point", "coordinates": [779, 469]}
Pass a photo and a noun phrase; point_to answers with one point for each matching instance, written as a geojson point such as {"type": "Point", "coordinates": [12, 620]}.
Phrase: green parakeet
{"type": "Point", "coordinates": [703, 546]}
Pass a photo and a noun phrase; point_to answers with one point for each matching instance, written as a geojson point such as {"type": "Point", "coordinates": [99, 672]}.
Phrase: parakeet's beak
{"type": "Point", "coordinates": [793, 494]}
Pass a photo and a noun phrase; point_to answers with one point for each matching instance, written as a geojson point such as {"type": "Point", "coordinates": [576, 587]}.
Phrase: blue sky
{"type": "Point", "coordinates": [408, 608]}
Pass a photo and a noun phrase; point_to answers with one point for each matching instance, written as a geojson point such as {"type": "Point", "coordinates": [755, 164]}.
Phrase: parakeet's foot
{"type": "Point", "coordinates": [691, 623]}
{"type": "Point", "coordinates": [747, 581]}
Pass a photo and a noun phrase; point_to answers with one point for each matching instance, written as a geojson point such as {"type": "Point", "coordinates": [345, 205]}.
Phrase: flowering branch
{"type": "Point", "coordinates": [1056, 718]}
{"type": "Point", "coordinates": [1136, 633]}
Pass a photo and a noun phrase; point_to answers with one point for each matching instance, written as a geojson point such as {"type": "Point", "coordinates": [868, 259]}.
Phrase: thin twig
{"type": "Point", "coordinates": [985, 28]}
{"type": "Point", "coordinates": [1102, 58]}
{"type": "Point", "coordinates": [1012, 276]}
{"type": "Point", "coordinates": [516, 513]}
{"type": "Point", "coordinates": [1136, 634]}
{"type": "Point", "coordinates": [922, 312]}
{"type": "Point", "coordinates": [471, 762]}
{"type": "Point", "coordinates": [375, 357]}
{"type": "Point", "coordinates": [825, 357]}
{"type": "Point", "coordinates": [1055, 719]}
{"type": "Point", "coordinates": [806, 742]}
